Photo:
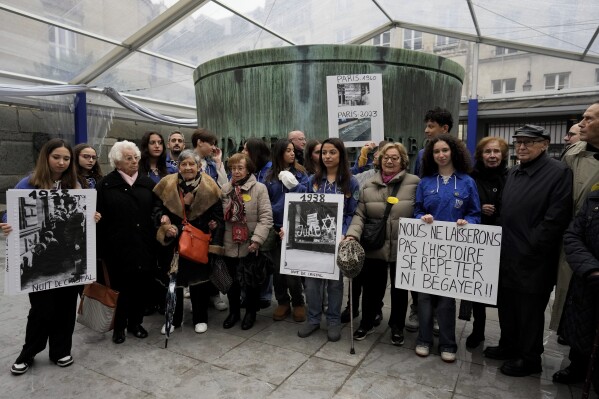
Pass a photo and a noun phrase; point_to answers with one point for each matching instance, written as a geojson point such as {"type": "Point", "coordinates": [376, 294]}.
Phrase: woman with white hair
{"type": "Point", "coordinates": [126, 236]}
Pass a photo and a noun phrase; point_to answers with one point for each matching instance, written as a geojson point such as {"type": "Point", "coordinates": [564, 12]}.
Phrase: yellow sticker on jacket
{"type": "Point", "coordinates": [595, 187]}
{"type": "Point", "coordinates": [246, 197]}
{"type": "Point", "coordinates": [392, 200]}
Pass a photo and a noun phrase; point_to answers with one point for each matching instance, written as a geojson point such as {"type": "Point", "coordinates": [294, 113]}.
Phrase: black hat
{"type": "Point", "coordinates": [532, 131]}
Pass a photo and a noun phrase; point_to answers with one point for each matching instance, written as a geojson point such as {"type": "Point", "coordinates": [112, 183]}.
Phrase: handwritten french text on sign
{"type": "Point", "coordinates": [445, 259]}
{"type": "Point", "coordinates": [355, 108]}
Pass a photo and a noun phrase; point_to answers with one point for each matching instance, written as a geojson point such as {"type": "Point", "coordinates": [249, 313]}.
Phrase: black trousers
{"type": "Point", "coordinates": [252, 294]}
{"type": "Point", "coordinates": [522, 322]}
{"type": "Point", "coordinates": [200, 298]}
{"type": "Point", "coordinates": [51, 319]}
{"type": "Point", "coordinates": [132, 288]}
{"type": "Point", "coordinates": [288, 289]}
{"type": "Point", "coordinates": [374, 283]}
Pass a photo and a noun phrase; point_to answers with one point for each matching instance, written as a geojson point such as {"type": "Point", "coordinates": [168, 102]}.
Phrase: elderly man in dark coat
{"type": "Point", "coordinates": [536, 209]}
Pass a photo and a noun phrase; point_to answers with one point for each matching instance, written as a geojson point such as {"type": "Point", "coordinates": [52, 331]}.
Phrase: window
{"type": "Point", "coordinates": [344, 35]}
{"type": "Point", "coordinates": [504, 50]}
{"type": "Point", "coordinates": [412, 40]}
{"type": "Point", "coordinates": [384, 39]}
{"type": "Point", "coordinates": [502, 86]}
{"type": "Point", "coordinates": [63, 43]}
{"type": "Point", "coordinates": [445, 41]}
{"type": "Point", "coordinates": [557, 81]}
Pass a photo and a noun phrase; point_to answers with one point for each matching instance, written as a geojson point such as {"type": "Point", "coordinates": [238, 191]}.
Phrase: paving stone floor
{"type": "Point", "coordinates": [268, 361]}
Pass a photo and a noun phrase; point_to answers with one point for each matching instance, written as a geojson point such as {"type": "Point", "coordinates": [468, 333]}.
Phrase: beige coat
{"type": "Point", "coordinates": [258, 213]}
{"type": "Point", "coordinates": [372, 204]}
{"type": "Point", "coordinates": [585, 170]}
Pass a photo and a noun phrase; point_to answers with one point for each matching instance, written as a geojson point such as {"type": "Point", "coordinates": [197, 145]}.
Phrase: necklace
{"type": "Point", "coordinates": [446, 179]}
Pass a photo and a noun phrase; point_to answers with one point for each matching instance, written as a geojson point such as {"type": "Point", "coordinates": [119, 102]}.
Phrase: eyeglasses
{"type": "Point", "coordinates": [571, 134]}
{"type": "Point", "coordinates": [88, 157]}
{"type": "Point", "coordinates": [131, 159]}
{"type": "Point", "coordinates": [525, 143]}
{"type": "Point", "coordinates": [393, 159]}
{"type": "Point", "coordinates": [238, 169]}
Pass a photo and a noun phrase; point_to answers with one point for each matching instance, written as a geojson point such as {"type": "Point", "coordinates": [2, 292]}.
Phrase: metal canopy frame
{"type": "Point", "coordinates": [183, 8]}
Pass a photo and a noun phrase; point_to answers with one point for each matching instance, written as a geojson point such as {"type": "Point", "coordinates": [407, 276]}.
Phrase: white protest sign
{"type": "Point", "coordinates": [355, 108]}
{"type": "Point", "coordinates": [445, 259]}
{"type": "Point", "coordinates": [312, 225]}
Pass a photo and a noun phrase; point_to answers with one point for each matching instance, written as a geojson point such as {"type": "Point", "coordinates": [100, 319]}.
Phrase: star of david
{"type": "Point", "coordinates": [328, 224]}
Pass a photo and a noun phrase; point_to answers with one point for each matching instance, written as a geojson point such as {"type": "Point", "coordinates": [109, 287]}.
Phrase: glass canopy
{"type": "Point", "coordinates": [151, 47]}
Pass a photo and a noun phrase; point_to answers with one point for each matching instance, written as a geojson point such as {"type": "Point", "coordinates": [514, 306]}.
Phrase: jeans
{"type": "Point", "coordinates": [315, 295]}
{"type": "Point", "coordinates": [445, 317]}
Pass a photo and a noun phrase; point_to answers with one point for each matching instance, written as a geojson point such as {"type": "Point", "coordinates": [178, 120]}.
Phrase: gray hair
{"type": "Point", "coordinates": [116, 152]}
{"type": "Point", "coordinates": [189, 154]}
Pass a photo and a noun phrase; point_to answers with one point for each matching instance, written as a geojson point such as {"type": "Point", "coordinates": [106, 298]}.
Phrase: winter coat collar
{"type": "Point", "coordinates": [398, 178]}
{"type": "Point", "coordinates": [206, 193]}
{"type": "Point", "coordinates": [114, 179]}
{"type": "Point", "coordinates": [245, 187]}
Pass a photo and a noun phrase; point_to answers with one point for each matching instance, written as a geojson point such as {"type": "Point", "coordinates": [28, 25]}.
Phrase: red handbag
{"type": "Point", "coordinates": [193, 242]}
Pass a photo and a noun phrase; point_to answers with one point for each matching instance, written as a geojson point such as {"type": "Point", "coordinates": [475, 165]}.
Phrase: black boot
{"type": "Point", "coordinates": [231, 320]}
{"type": "Point", "coordinates": [248, 320]}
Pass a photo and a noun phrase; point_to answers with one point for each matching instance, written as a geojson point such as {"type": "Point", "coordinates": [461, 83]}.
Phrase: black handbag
{"type": "Point", "coordinates": [374, 230]}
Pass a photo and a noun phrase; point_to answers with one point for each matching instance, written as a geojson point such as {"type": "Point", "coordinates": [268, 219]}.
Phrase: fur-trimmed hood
{"type": "Point", "coordinates": [206, 193]}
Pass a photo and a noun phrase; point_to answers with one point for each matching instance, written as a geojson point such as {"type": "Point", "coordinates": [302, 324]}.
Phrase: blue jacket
{"type": "Point", "coordinates": [458, 199]}
{"type": "Point", "coordinates": [418, 162]}
{"type": "Point", "coordinates": [262, 173]}
{"type": "Point", "coordinates": [24, 184]}
{"type": "Point", "coordinates": [350, 203]}
{"type": "Point", "coordinates": [277, 191]}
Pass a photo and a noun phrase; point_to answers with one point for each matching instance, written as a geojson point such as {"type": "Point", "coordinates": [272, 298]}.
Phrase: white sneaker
{"type": "Point", "coordinates": [201, 328]}
{"type": "Point", "coordinates": [186, 293]}
{"type": "Point", "coordinates": [448, 357]}
{"type": "Point", "coordinates": [163, 329]}
{"type": "Point", "coordinates": [422, 350]}
{"type": "Point", "coordinates": [219, 303]}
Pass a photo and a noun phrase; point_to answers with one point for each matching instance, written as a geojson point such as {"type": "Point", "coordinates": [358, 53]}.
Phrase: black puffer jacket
{"type": "Point", "coordinates": [581, 244]}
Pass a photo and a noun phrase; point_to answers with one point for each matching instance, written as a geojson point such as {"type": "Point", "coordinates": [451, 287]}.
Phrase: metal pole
{"type": "Point", "coordinates": [81, 118]}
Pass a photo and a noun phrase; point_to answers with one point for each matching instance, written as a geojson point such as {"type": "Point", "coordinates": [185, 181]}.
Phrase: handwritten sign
{"type": "Point", "coordinates": [355, 108]}
{"type": "Point", "coordinates": [449, 260]}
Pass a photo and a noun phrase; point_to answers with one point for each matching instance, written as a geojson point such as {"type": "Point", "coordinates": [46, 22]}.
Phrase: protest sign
{"type": "Point", "coordinates": [312, 225]}
{"type": "Point", "coordinates": [445, 259]}
{"type": "Point", "coordinates": [355, 108]}
{"type": "Point", "coordinates": [53, 242]}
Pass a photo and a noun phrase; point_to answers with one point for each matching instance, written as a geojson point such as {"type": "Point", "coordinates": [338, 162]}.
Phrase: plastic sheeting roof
{"type": "Point", "coordinates": [150, 48]}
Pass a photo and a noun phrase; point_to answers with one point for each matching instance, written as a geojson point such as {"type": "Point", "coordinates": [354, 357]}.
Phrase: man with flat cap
{"type": "Point", "coordinates": [536, 209]}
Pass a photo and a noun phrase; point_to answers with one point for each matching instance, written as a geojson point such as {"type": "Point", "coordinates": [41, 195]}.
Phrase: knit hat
{"type": "Point", "coordinates": [350, 258]}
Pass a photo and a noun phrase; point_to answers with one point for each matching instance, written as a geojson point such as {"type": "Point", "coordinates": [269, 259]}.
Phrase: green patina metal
{"type": "Point", "coordinates": [267, 93]}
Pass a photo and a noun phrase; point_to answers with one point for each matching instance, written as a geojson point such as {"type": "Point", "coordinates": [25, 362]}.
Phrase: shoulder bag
{"type": "Point", "coordinates": [193, 242]}
{"type": "Point", "coordinates": [374, 230]}
{"type": "Point", "coordinates": [98, 305]}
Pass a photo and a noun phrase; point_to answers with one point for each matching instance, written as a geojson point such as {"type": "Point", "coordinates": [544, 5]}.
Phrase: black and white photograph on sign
{"type": "Point", "coordinates": [354, 129]}
{"type": "Point", "coordinates": [445, 259]}
{"type": "Point", "coordinates": [312, 225]}
{"type": "Point", "coordinates": [355, 108]}
{"type": "Point", "coordinates": [350, 94]}
{"type": "Point", "coordinates": [53, 240]}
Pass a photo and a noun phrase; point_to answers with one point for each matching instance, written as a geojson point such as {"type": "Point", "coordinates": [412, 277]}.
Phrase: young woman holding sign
{"type": "Point", "coordinates": [445, 193]}
{"type": "Point", "coordinates": [332, 177]}
{"type": "Point", "coordinates": [52, 315]}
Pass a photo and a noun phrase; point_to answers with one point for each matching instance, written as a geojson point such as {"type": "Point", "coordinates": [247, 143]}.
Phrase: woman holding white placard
{"type": "Point", "coordinates": [445, 193]}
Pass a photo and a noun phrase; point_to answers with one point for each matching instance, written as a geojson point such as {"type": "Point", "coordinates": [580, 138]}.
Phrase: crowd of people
{"type": "Point", "coordinates": [154, 191]}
